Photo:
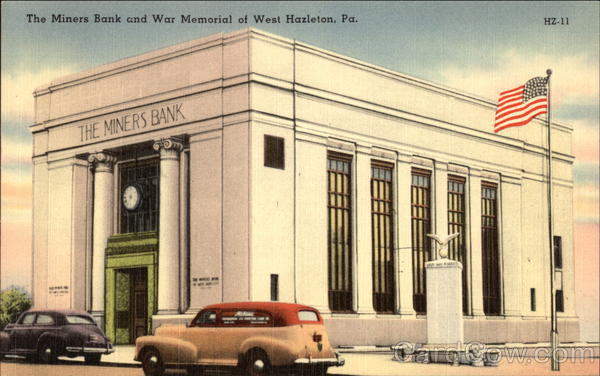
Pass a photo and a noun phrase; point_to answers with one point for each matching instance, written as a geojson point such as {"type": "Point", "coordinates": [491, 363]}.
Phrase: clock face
{"type": "Point", "coordinates": [132, 196]}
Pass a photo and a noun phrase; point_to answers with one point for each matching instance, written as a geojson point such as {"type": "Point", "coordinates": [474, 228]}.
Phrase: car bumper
{"type": "Point", "coordinates": [109, 349]}
{"type": "Point", "coordinates": [335, 362]}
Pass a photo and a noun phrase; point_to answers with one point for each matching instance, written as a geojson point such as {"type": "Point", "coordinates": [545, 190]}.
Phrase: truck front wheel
{"type": "Point", "coordinates": [152, 363]}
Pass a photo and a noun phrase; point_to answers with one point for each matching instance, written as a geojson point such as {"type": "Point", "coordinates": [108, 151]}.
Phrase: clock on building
{"type": "Point", "coordinates": [132, 197]}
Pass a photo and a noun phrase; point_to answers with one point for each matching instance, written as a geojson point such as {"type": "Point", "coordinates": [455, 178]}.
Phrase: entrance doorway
{"type": "Point", "coordinates": [131, 271]}
{"type": "Point", "coordinates": [131, 304]}
{"type": "Point", "coordinates": [139, 296]}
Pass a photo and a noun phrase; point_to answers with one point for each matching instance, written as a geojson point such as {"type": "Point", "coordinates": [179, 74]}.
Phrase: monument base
{"type": "Point", "coordinates": [444, 302]}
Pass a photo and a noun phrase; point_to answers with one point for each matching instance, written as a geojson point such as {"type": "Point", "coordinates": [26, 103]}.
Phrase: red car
{"type": "Point", "coordinates": [257, 338]}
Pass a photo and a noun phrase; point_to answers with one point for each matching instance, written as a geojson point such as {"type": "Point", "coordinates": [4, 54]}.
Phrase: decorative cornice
{"type": "Point", "coordinates": [452, 167]}
{"type": "Point", "coordinates": [381, 153]}
{"type": "Point", "coordinates": [422, 161]}
{"type": "Point", "coordinates": [112, 251]}
{"type": "Point", "coordinates": [490, 175]}
{"type": "Point", "coordinates": [132, 243]}
{"type": "Point", "coordinates": [341, 145]}
{"type": "Point", "coordinates": [102, 162]}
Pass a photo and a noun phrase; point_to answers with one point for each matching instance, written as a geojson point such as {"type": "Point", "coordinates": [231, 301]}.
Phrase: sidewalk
{"type": "Point", "coordinates": [377, 364]}
{"type": "Point", "coordinates": [123, 355]}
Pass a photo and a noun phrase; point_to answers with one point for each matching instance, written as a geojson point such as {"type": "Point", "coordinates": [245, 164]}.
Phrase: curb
{"type": "Point", "coordinates": [68, 361]}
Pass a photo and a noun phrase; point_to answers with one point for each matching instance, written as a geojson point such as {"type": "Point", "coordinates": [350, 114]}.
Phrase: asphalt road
{"type": "Point", "coordinates": [357, 364]}
{"type": "Point", "coordinates": [19, 367]}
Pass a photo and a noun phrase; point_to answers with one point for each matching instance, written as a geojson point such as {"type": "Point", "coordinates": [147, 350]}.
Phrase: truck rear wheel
{"type": "Point", "coordinates": [257, 363]}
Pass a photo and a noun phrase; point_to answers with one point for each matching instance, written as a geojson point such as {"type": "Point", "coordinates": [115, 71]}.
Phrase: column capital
{"type": "Point", "coordinates": [169, 148]}
{"type": "Point", "coordinates": [102, 162]}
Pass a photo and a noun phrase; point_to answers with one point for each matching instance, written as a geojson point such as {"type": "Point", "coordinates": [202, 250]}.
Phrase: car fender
{"type": "Point", "coordinates": [279, 352]}
{"type": "Point", "coordinates": [172, 350]}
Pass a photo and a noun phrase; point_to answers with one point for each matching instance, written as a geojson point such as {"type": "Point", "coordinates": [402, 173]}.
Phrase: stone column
{"type": "Point", "coordinates": [441, 204]}
{"type": "Point", "coordinates": [511, 254]}
{"type": "Point", "coordinates": [184, 271]}
{"type": "Point", "coordinates": [475, 232]}
{"type": "Point", "coordinates": [102, 164]}
{"type": "Point", "coordinates": [364, 251]}
{"type": "Point", "coordinates": [404, 252]}
{"type": "Point", "coordinates": [168, 236]}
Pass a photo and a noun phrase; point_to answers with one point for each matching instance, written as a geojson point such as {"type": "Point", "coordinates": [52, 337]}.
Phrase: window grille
{"type": "Point", "coordinates": [382, 237]}
{"type": "Point", "coordinates": [339, 207]}
{"type": "Point", "coordinates": [489, 248]}
{"type": "Point", "coordinates": [420, 227]}
{"type": "Point", "coordinates": [457, 249]}
{"type": "Point", "coordinates": [144, 175]}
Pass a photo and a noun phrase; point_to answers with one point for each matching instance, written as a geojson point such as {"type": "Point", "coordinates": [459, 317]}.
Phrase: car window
{"type": "Point", "coordinates": [308, 316]}
{"type": "Point", "coordinates": [245, 318]}
{"type": "Point", "coordinates": [43, 319]}
{"type": "Point", "coordinates": [206, 318]}
{"type": "Point", "coordinates": [72, 319]}
{"type": "Point", "coordinates": [28, 319]}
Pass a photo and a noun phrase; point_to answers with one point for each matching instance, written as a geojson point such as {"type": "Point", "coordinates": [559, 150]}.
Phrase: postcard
{"type": "Point", "coordinates": [352, 188]}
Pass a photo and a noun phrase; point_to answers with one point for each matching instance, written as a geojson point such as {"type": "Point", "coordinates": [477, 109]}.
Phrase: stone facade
{"type": "Point", "coordinates": [200, 111]}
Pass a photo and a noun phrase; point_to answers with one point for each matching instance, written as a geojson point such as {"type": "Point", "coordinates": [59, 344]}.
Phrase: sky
{"type": "Point", "coordinates": [477, 47]}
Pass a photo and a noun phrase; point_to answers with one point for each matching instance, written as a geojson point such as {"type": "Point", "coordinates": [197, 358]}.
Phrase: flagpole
{"type": "Point", "coordinates": [555, 366]}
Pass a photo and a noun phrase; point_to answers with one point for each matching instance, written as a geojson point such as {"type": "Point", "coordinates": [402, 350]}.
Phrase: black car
{"type": "Point", "coordinates": [47, 334]}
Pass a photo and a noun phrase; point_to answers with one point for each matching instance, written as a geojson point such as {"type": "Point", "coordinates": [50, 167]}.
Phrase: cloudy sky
{"type": "Point", "coordinates": [477, 47]}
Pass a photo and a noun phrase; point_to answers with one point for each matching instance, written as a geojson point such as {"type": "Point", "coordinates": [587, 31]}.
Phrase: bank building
{"type": "Point", "coordinates": [248, 166]}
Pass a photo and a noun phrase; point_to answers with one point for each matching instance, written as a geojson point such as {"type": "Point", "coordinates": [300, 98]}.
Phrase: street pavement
{"type": "Point", "coordinates": [20, 368]}
{"type": "Point", "coordinates": [376, 364]}
{"type": "Point", "coordinates": [369, 363]}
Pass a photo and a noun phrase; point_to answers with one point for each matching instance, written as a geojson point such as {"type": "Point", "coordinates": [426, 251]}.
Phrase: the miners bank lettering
{"type": "Point", "coordinates": [131, 122]}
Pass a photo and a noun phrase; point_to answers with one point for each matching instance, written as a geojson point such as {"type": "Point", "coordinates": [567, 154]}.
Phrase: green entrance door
{"type": "Point", "coordinates": [131, 269]}
{"type": "Point", "coordinates": [131, 304]}
{"type": "Point", "coordinates": [139, 300]}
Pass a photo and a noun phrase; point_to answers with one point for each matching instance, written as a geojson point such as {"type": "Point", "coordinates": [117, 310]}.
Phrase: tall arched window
{"type": "Point", "coordinates": [420, 227]}
{"type": "Point", "coordinates": [457, 249]}
{"type": "Point", "coordinates": [142, 178]}
{"type": "Point", "coordinates": [339, 207]}
{"type": "Point", "coordinates": [489, 248]}
{"type": "Point", "coordinates": [382, 236]}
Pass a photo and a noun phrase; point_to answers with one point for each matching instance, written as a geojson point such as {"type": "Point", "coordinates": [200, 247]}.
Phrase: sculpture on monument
{"type": "Point", "coordinates": [443, 243]}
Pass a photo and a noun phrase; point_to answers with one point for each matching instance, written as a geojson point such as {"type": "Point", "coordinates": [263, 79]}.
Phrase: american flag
{"type": "Point", "coordinates": [520, 105]}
